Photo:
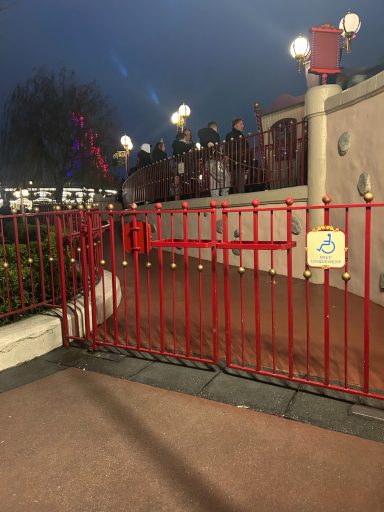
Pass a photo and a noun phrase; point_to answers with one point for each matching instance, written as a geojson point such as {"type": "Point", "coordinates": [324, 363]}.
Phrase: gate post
{"type": "Point", "coordinates": [63, 288]}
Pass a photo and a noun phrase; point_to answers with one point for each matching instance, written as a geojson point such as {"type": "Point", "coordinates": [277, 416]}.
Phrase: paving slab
{"type": "Point", "coordinates": [178, 378]}
{"type": "Point", "coordinates": [250, 393]}
{"type": "Point", "coordinates": [124, 368]}
{"type": "Point", "coordinates": [65, 356]}
{"type": "Point", "coordinates": [26, 373]}
{"type": "Point", "coordinates": [82, 441]}
{"type": "Point", "coordinates": [333, 414]}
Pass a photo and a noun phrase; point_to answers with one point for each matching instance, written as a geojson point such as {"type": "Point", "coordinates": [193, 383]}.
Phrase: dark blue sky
{"type": "Point", "coordinates": [148, 56]}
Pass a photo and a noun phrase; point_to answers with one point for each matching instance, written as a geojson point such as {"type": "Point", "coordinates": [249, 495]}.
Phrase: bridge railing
{"type": "Point", "coordinates": [235, 166]}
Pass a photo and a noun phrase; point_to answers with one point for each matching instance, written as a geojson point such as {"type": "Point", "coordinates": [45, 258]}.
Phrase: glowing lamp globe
{"type": "Point", "coordinates": [175, 118]}
{"type": "Point", "coordinates": [300, 50]}
{"type": "Point", "coordinates": [126, 142]}
{"type": "Point", "coordinates": [184, 110]}
{"type": "Point", "coordinates": [350, 25]}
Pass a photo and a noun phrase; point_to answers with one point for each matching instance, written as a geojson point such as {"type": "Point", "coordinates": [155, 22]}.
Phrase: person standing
{"type": "Point", "coordinates": [238, 152]}
{"type": "Point", "coordinates": [159, 153]}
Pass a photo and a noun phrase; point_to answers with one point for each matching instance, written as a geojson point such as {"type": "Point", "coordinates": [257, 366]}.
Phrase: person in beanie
{"type": "Point", "coordinates": [144, 156]}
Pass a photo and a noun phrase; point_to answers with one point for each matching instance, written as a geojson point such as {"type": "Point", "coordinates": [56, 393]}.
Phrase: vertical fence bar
{"type": "Point", "coordinates": [114, 277]}
{"type": "Point", "coordinates": [92, 281]}
{"type": "Point", "coordinates": [136, 267]}
{"type": "Point", "coordinates": [184, 206]}
{"type": "Point", "coordinates": [346, 297]}
{"type": "Point", "coordinates": [227, 302]}
{"type": "Point", "coordinates": [307, 275]}
{"type": "Point", "coordinates": [124, 247]}
{"type": "Point", "coordinates": [200, 286]}
{"type": "Point", "coordinates": [241, 268]}
{"type": "Point", "coordinates": [148, 267]}
{"type": "Point", "coordinates": [256, 284]}
{"type": "Point", "coordinates": [18, 259]}
{"type": "Point", "coordinates": [215, 321]}
{"type": "Point", "coordinates": [326, 201]}
{"type": "Point", "coordinates": [289, 202]}
{"type": "Point", "coordinates": [161, 276]}
{"type": "Point", "coordinates": [273, 282]}
{"type": "Point", "coordinates": [173, 283]}
{"type": "Point", "coordinates": [367, 276]}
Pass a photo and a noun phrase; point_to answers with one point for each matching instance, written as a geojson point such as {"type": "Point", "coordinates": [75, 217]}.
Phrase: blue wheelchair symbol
{"type": "Point", "coordinates": [328, 246]}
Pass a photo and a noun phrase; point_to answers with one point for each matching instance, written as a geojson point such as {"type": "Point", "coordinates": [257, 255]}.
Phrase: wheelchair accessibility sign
{"type": "Point", "coordinates": [326, 247]}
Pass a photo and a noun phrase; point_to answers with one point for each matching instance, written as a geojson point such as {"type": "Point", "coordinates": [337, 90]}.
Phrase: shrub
{"type": "Point", "coordinates": [34, 282]}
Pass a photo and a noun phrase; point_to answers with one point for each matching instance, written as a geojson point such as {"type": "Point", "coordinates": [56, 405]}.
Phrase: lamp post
{"type": "Point", "coordinates": [179, 118]}
{"type": "Point", "coordinates": [326, 46]}
{"type": "Point", "coordinates": [126, 142]}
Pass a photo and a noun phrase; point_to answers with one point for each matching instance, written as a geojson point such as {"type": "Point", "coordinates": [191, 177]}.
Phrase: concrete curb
{"type": "Point", "coordinates": [39, 334]}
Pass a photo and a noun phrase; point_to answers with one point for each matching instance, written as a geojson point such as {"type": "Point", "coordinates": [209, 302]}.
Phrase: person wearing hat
{"type": "Point", "coordinates": [144, 156]}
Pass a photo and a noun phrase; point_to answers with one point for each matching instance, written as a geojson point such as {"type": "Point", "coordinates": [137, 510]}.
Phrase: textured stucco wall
{"type": "Point", "coordinates": [360, 112]}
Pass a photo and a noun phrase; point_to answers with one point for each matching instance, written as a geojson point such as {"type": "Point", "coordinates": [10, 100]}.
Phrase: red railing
{"type": "Point", "coordinates": [37, 251]}
{"type": "Point", "coordinates": [234, 166]}
{"type": "Point", "coordinates": [188, 294]}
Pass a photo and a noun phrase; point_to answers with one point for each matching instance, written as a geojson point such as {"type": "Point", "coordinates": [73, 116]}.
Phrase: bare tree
{"type": "Point", "coordinates": [41, 138]}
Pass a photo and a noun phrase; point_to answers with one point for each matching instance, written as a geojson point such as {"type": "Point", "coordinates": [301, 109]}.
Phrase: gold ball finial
{"type": "Point", "coordinates": [78, 249]}
{"type": "Point", "coordinates": [57, 207]}
{"type": "Point", "coordinates": [72, 260]}
{"type": "Point", "coordinates": [50, 259]}
{"type": "Point", "coordinates": [368, 197]}
{"type": "Point", "coordinates": [30, 261]}
{"type": "Point", "coordinates": [36, 209]}
{"type": "Point", "coordinates": [110, 207]}
{"type": "Point", "coordinates": [5, 264]}
{"type": "Point", "coordinates": [173, 266]}
{"type": "Point", "coordinates": [124, 263]}
{"type": "Point", "coordinates": [346, 276]}
{"type": "Point", "coordinates": [88, 207]}
{"type": "Point", "coordinates": [102, 262]}
{"type": "Point", "coordinates": [200, 267]}
{"type": "Point", "coordinates": [307, 274]}
{"type": "Point", "coordinates": [81, 207]}
{"type": "Point", "coordinates": [148, 264]}
{"type": "Point", "coordinates": [326, 199]}
{"type": "Point", "coordinates": [272, 272]}
{"type": "Point", "coordinates": [241, 270]}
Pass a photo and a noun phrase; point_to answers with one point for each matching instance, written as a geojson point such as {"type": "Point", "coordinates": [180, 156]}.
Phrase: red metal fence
{"type": "Point", "coordinates": [234, 166]}
{"type": "Point", "coordinates": [227, 283]}
{"type": "Point", "coordinates": [36, 251]}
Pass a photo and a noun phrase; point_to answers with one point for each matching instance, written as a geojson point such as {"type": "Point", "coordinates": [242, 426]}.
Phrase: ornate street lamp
{"type": "Point", "coordinates": [179, 118]}
{"type": "Point", "coordinates": [350, 25]}
{"type": "Point", "coordinates": [126, 142]}
{"type": "Point", "coordinates": [300, 50]}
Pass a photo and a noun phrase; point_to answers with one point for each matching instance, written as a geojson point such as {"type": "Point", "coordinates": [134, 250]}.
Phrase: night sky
{"type": "Point", "coordinates": [148, 56]}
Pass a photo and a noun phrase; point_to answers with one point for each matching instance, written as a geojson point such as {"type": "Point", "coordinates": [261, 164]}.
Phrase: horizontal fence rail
{"type": "Point", "coordinates": [235, 166]}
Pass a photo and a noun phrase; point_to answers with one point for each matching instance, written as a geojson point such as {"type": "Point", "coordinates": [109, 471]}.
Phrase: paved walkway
{"type": "Point", "coordinates": [76, 440]}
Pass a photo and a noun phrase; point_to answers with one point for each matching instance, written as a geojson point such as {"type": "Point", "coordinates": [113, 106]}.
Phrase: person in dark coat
{"type": "Point", "coordinates": [144, 156]}
{"type": "Point", "coordinates": [183, 144]}
{"type": "Point", "coordinates": [159, 152]}
{"type": "Point", "coordinates": [209, 136]}
{"type": "Point", "coordinates": [238, 152]}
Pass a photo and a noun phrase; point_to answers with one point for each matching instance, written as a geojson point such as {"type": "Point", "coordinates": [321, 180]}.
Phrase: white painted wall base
{"type": "Point", "coordinates": [37, 335]}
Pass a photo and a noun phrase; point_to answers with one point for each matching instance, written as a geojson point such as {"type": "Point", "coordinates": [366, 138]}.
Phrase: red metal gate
{"type": "Point", "coordinates": [211, 284]}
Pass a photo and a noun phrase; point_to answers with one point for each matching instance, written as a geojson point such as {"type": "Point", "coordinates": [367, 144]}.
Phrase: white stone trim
{"type": "Point", "coordinates": [24, 340]}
